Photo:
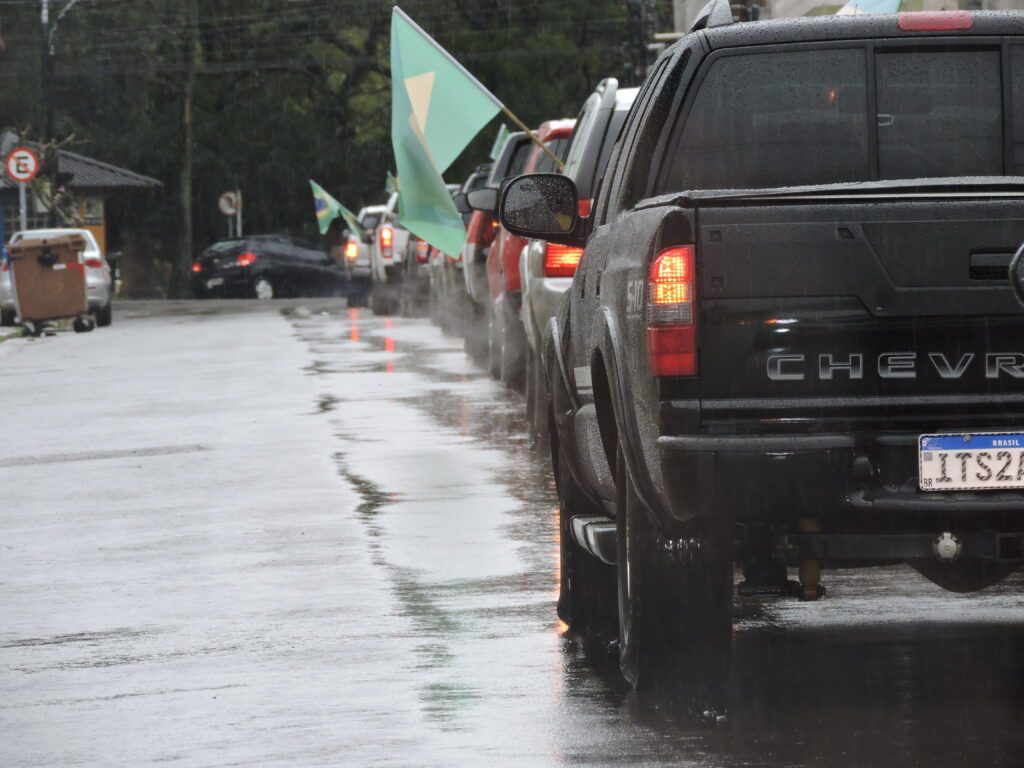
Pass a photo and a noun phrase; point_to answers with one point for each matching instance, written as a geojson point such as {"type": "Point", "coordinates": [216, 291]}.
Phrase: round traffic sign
{"type": "Point", "coordinates": [229, 202]}
{"type": "Point", "coordinates": [22, 164]}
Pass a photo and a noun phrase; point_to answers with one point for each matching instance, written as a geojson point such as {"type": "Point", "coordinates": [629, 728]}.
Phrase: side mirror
{"type": "Point", "coordinates": [540, 205]}
{"type": "Point", "coordinates": [461, 203]}
{"type": "Point", "coordinates": [483, 199]}
{"type": "Point", "coordinates": [367, 237]}
{"type": "Point", "coordinates": [1017, 274]}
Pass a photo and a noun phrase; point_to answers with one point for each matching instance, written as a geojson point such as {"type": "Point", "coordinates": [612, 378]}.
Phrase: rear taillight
{"type": "Point", "coordinates": [387, 237]}
{"type": "Point", "coordinates": [671, 313]}
{"type": "Point", "coordinates": [197, 267]}
{"type": "Point", "coordinates": [935, 21]}
{"type": "Point", "coordinates": [94, 263]}
{"type": "Point", "coordinates": [351, 250]}
{"type": "Point", "coordinates": [583, 208]}
{"type": "Point", "coordinates": [422, 251]}
{"type": "Point", "coordinates": [561, 260]}
{"type": "Point", "coordinates": [245, 259]}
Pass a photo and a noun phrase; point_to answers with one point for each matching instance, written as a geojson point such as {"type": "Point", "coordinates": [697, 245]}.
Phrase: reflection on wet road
{"type": "Point", "coordinates": [350, 557]}
{"type": "Point", "coordinates": [460, 510]}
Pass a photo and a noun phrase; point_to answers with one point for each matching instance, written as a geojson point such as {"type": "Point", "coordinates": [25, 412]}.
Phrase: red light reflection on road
{"type": "Point", "coordinates": [560, 626]}
{"type": "Point", "coordinates": [353, 317]}
{"type": "Point", "coordinates": [389, 346]}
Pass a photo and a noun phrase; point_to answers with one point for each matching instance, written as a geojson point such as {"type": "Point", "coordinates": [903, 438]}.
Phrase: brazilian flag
{"type": "Point", "coordinates": [328, 209]}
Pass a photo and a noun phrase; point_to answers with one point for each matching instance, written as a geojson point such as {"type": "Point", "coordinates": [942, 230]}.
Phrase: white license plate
{"type": "Point", "coordinates": [971, 462]}
{"type": "Point", "coordinates": [215, 282]}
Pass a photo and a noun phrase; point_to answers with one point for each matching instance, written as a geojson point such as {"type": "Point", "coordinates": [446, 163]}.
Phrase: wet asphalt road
{"type": "Point", "coordinates": [231, 536]}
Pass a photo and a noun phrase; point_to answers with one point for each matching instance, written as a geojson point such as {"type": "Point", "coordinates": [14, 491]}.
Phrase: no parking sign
{"type": "Point", "coordinates": [22, 165]}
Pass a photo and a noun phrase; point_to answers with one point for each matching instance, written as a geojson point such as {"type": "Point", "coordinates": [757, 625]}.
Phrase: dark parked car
{"type": "Point", "coordinates": [266, 267]}
{"type": "Point", "coordinates": [791, 341]}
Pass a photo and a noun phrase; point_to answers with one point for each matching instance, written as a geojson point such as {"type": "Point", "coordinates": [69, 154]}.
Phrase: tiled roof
{"type": "Point", "coordinates": [85, 172]}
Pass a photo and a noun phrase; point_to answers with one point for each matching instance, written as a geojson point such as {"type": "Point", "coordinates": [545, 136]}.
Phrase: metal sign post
{"type": "Point", "coordinates": [22, 165]}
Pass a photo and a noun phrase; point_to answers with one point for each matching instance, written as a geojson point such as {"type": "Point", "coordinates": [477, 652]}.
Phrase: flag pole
{"type": "Point", "coordinates": [533, 137]}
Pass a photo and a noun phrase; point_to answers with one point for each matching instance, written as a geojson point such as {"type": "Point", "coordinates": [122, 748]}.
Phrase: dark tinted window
{"type": "Point", "coordinates": [1017, 75]}
{"type": "Point", "coordinates": [370, 221]}
{"type": "Point", "coordinates": [611, 136]}
{"type": "Point", "coordinates": [776, 119]}
{"type": "Point", "coordinates": [939, 114]}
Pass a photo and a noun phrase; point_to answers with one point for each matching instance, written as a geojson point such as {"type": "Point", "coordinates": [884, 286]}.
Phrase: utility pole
{"type": "Point", "coordinates": [52, 169]}
{"type": "Point", "coordinates": [52, 164]}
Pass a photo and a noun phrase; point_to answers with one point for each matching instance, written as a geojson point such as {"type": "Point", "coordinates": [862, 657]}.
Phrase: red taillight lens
{"type": "Point", "coordinates": [935, 21]}
{"type": "Point", "coordinates": [245, 259]}
{"type": "Point", "coordinates": [351, 251]}
{"type": "Point", "coordinates": [94, 263]}
{"type": "Point", "coordinates": [197, 267]}
{"type": "Point", "coordinates": [671, 319]}
{"type": "Point", "coordinates": [422, 251]}
{"type": "Point", "coordinates": [561, 260]}
{"type": "Point", "coordinates": [387, 236]}
{"type": "Point", "coordinates": [584, 208]}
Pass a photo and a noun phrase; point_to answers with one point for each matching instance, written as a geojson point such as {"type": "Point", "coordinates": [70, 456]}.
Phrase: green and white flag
{"type": "Point", "coordinates": [499, 141]}
{"type": "Point", "coordinates": [328, 209]}
{"type": "Point", "coordinates": [437, 108]}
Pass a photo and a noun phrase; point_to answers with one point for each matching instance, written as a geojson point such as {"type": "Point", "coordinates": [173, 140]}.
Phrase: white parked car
{"type": "Point", "coordinates": [98, 281]}
{"type": "Point", "coordinates": [386, 251]}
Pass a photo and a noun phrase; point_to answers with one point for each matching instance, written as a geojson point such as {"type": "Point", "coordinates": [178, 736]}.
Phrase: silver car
{"type": "Point", "coordinates": [97, 276]}
{"type": "Point", "coordinates": [546, 270]}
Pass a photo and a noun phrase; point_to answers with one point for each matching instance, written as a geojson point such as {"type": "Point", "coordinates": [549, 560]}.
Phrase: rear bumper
{"type": "Point", "coordinates": [850, 483]}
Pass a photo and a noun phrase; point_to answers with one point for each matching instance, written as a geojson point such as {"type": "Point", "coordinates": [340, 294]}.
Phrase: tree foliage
{"type": "Point", "coordinates": [280, 91]}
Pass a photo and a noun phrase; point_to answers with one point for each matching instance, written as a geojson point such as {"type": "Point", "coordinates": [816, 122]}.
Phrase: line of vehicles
{"type": "Point", "coordinates": [762, 317]}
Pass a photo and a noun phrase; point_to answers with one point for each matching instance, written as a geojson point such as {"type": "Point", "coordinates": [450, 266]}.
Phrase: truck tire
{"type": "Point", "coordinates": [379, 304]}
{"type": "Point", "coordinates": [105, 315]}
{"type": "Point", "coordinates": [587, 599]}
{"type": "Point", "coordinates": [494, 345]}
{"type": "Point", "coordinates": [536, 394]}
{"type": "Point", "coordinates": [513, 349]}
{"type": "Point", "coordinates": [675, 599]}
{"type": "Point", "coordinates": [965, 576]}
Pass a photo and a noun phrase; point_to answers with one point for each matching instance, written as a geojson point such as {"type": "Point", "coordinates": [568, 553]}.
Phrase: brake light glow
{"type": "Point", "coordinates": [387, 236]}
{"type": "Point", "coordinates": [561, 260]}
{"type": "Point", "coordinates": [351, 250]}
{"type": "Point", "coordinates": [422, 251]}
{"type": "Point", "coordinates": [197, 267]}
{"type": "Point", "coordinates": [671, 319]}
{"type": "Point", "coordinates": [94, 263]}
{"type": "Point", "coordinates": [935, 21]}
{"type": "Point", "coordinates": [245, 259]}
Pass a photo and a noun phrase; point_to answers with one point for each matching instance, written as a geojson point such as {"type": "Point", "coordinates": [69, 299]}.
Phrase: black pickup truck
{"type": "Point", "coordinates": [791, 341]}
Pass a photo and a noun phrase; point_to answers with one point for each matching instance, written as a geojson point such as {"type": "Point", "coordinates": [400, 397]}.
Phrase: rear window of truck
{"type": "Point", "coordinates": [790, 118]}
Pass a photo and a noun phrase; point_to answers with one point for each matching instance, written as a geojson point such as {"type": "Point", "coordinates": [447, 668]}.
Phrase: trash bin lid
{"type": "Point", "coordinates": [32, 246]}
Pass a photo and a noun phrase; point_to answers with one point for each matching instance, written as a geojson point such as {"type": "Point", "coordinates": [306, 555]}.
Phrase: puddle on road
{"type": "Point", "coordinates": [813, 684]}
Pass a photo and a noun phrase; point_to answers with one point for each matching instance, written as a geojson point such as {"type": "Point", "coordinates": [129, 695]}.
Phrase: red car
{"type": "Point", "coordinates": [507, 353]}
